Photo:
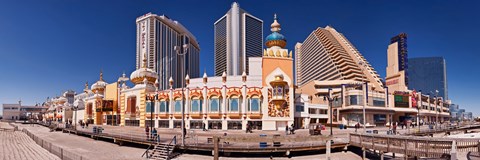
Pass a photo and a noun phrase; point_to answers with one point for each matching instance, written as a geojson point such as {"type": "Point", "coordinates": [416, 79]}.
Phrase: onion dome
{"type": "Point", "coordinates": [275, 38]}
{"type": "Point", "coordinates": [100, 84]}
{"type": "Point", "coordinates": [143, 73]}
{"type": "Point", "coordinates": [61, 100]}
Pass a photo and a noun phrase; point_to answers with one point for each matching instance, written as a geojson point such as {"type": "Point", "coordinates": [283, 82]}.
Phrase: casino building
{"type": "Point", "coordinates": [263, 99]}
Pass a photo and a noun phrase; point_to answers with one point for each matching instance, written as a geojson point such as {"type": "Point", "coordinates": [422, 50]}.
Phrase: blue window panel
{"type": "Point", "coordinates": [178, 106]}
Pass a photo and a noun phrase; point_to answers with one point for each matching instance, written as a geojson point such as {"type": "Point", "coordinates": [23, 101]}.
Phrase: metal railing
{"type": "Point", "coordinates": [414, 146]}
{"type": "Point", "coordinates": [54, 149]}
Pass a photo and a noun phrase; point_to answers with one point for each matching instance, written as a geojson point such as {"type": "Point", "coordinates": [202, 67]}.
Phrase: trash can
{"type": "Point", "coordinates": [375, 131]}
{"type": "Point", "coordinates": [94, 130]}
{"type": "Point", "coordinates": [369, 131]}
{"type": "Point", "coordinates": [340, 126]}
{"type": "Point", "coordinates": [263, 144]}
{"type": "Point", "coordinates": [430, 126]}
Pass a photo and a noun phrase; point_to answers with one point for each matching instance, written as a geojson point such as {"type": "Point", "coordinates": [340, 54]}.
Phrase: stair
{"type": "Point", "coordinates": [162, 151]}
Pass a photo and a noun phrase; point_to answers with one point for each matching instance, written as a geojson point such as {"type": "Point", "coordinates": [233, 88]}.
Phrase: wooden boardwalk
{"type": "Point", "coordinates": [414, 146]}
{"type": "Point", "coordinates": [238, 144]}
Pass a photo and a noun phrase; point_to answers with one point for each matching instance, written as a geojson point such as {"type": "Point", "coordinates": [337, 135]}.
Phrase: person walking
{"type": "Point", "coordinates": [357, 126]}
{"type": "Point", "coordinates": [155, 135]}
{"type": "Point", "coordinates": [286, 130]}
{"type": "Point", "coordinates": [394, 128]}
{"type": "Point", "coordinates": [86, 125]}
{"type": "Point", "coordinates": [147, 131]}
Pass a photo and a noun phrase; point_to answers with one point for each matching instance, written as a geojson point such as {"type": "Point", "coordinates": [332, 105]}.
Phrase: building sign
{"type": "Point", "coordinates": [401, 101]}
{"type": "Point", "coordinates": [392, 82]}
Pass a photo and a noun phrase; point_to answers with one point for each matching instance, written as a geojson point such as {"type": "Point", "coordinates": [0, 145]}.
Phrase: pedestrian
{"type": "Point", "coordinates": [154, 134]}
{"type": "Point", "coordinates": [86, 125]}
{"type": "Point", "coordinates": [286, 130]}
{"type": "Point", "coordinates": [292, 129]}
{"type": "Point", "coordinates": [246, 130]}
{"type": "Point", "coordinates": [357, 126]}
{"type": "Point", "coordinates": [394, 128]}
{"type": "Point", "coordinates": [185, 132]}
{"type": "Point", "coordinates": [147, 131]}
{"type": "Point", "coordinates": [204, 127]}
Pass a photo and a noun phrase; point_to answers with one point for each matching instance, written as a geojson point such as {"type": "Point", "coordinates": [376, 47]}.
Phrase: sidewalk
{"type": "Point", "coordinates": [84, 146]}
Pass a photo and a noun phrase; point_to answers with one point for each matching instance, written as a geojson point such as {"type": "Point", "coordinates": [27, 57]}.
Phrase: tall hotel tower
{"type": "Point", "coordinates": [238, 36]}
{"type": "Point", "coordinates": [397, 63]}
{"type": "Point", "coordinates": [327, 55]}
{"type": "Point", "coordinates": [157, 36]}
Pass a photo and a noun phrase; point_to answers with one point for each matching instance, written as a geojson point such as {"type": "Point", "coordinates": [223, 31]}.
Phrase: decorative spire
{"type": "Point", "coordinates": [244, 76]}
{"type": "Point", "coordinates": [171, 81]}
{"type": "Point", "coordinates": [86, 85]}
{"type": "Point", "coordinates": [101, 75]}
{"type": "Point", "coordinates": [275, 25]}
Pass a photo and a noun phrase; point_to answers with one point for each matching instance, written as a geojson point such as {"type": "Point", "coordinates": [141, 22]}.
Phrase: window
{"type": "Point", "coordinates": [163, 123]}
{"type": "Point", "coordinates": [356, 100]}
{"type": "Point", "coordinates": [131, 104]}
{"type": "Point", "coordinates": [196, 105]}
{"type": "Point", "coordinates": [214, 105]}
{"type": "Point", "coordinates": [233, 105]}
{"type": "Point", "coordinates": [299, 108]}
{"type": "Point", "coordinates": [150, 107]}
{"type": "Point", "coordinates": [379, 102]}
{"type": "Point", "coordinates": [254, 104]}
{"type": "Point", "coordinates": [234, 125]}
{"type": "Point", "coordinates": [214, 124]}
{"type": "Point", "coordinates": [278, 92]}
{"type": "Point", "coordinates": [178, 106]}
{"type": "Point", "coordinates": [164, 106]}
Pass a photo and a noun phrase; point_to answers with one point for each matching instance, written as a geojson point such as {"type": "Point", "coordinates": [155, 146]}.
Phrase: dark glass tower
{"type": "Point", "coordinates": [428, 74]}
{"type": "Point", "coordinates": [238, 36]}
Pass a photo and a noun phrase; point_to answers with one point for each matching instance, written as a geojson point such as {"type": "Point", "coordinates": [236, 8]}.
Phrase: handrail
{"type": "Point", "coordinates": [146, 151]}
{"type": "Point", "coordinates": [168, 146]}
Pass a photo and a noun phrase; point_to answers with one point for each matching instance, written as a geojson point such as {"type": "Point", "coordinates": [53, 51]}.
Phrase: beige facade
{"type": "Point", "coordinates": [326, 55]}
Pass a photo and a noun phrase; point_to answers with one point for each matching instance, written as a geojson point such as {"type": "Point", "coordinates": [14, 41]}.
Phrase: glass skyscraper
{"type": "Point", "coordinates": [157, 36]}
{"type": "Point", "coordinates": [238, 36]}
{"type": "Point", "coordinates": [428, 74]}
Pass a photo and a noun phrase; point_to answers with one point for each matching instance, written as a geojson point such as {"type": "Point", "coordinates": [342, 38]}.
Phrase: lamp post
{"type": "Point", "coordinates": [366, 95]}
{"type": "Point", "coordinates": [149, 100]}
{"type": "Point", "coordinates": [180, 53]}
{"type": "Point", "coordinates": [418, 108]}
{"type": "Point", "coordinates": [330, 99]}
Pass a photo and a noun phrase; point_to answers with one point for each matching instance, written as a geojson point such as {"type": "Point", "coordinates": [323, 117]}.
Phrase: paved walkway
{"type": "Point", "coordinates": [84, 146]}
{"type": "Point", "coordinates": [17, 145]}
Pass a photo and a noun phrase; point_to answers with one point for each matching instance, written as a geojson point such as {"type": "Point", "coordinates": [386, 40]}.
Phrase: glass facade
{"type": "Point", "coordinates": [157, 37]}
{"type": "Point", "coordinates": [253, 38]}
{"type": "Point", "coordinates": [428, 74]}
{"type": "Point", "coordinates": [220, 46]}
{"type": "Point", "coordinates": [238, 36]}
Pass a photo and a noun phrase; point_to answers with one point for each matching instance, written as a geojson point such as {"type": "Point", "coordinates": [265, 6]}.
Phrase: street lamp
{"type": "Point", "coordinates": [330, 100]}
{"type": "Point", "coordinates": [365, 94]}
{"type": "Point", "coordinates": [418, 108]}
{"type": "Point", "coordinates": [436, 109]}
{"type": "Point", "coordinates": [149, 100]}
{"type": "Point", "coordinates": [180, 53]}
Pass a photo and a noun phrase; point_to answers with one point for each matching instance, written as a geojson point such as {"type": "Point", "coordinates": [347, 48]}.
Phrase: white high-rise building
{"type": "Point", "coordinates": [327, 55]}
{"type": "Point", "coordinates": [238, 36]}
{"type": "Point", "coordinates": [157, 36]}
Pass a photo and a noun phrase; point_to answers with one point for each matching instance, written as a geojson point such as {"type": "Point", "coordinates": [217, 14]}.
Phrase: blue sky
{"type": "Point", "coordinates": [50, 46]}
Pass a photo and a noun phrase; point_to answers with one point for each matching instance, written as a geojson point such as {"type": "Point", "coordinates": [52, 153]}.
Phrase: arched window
{"type": "Point", "coordinates": [150, 107]}
{"type": "Point", "coordinates": [214, 104]}
{"type": "Point", "coordinates": [131, 104]}
{"type": "Point", "coordinates": [164, 106]}
{"type": "Point", "coordinates": [178, 105]}
{"type": "Point", "coordinates": [233, 103]}
{"type": "Point", "coordinates": [196, 105]}
{"type": "Point", "coordinates": [254, 104]}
